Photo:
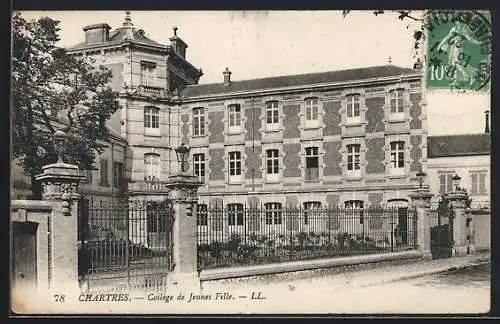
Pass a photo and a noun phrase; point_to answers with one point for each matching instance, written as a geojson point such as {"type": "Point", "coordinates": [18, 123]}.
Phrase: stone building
{"type": "Point", "coordinates": [350, 138]}
{"type": "Point", "coordinates": [468, 156]}
{"type": "Point", "coordinates": [148, 76]}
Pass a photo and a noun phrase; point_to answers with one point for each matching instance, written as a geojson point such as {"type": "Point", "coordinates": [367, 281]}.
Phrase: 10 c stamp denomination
{"type": "Point", "coordinates": [458, 49]}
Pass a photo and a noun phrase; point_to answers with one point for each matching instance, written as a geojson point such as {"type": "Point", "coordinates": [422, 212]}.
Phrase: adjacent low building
{"type": "Point", "coordinates": [466, 155]}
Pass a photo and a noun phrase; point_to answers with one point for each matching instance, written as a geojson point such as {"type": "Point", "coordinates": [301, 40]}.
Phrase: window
{"type": "Point", "coordinates": [478, 183]}
{"type": "Point", "coordinates": [104, 181]}
{"type": "Point", "coordinates": [199, 166]}
{"type": "Point", "coordinates": [235, 166]}
{"type": "Point", "coordinates": [272, 165]}
{"type": "Point", "coordinates": [311, 112]}
{"type": "Point", "coordinates": [148, 74]}
{"type": "Point", "coordinates": [117, 174]}
{"type": "Point", "coordinates": [198, 121]}
{"type": "Point", "coordinates": [235, 214]}
{"type": "Point", "coordinates": [234, 118]}
{"type": "Point", "coordinates": [152, 121]}
{"type": "Point", "coordinates": [272, 113]}
{"type": "Point", "coordinates": [356, 206]}
{"type": "Point", "coordinates": [397, 102]}
{"type": "Point", "coordinates": [273, 213]}
{"type": "Point", "coordinates": [202, 215]}
{"type": "Point", "coordinates": [445, 183]}
{"type": "Point", "coordinates": [353, 160]}
{"type": "Point", "coordinates": [151, 167]}
{"type": "Point", "coordinates": [309, 208]}
{"type": "Point", "coordinates": [312, 163]}
{"type": "Point", "coordinates": [353, 108]}
{"type": "Point", "coordinates": [397, 157]}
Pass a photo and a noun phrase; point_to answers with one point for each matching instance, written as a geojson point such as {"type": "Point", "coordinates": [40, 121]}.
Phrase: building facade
{"type": "Point", "coordinates": [468, 156]}
{"type": "Point", "coordinates": [349, 138]}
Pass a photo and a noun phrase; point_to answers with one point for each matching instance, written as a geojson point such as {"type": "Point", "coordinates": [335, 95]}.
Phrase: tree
{"type": "Point", "coordinates": [53, 90]}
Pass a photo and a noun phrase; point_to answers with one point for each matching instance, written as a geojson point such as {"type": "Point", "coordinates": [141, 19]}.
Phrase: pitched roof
{"type": "Point", "coordinates": [458, 145]}
{"type": "Point", "coordinates": [298, 80]}
{"type": "Point", "coordinates": [119, 35]}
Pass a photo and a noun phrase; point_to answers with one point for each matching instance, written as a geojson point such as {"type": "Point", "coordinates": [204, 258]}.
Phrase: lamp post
{"type": "Point", "coordinates": [456, 182]}
{"type": "Point", "coordinates": [59, 140]}
{"type": "Point", "coordinates": [182, 153]}
{"type": "Point", "coordinates": [421, 176]}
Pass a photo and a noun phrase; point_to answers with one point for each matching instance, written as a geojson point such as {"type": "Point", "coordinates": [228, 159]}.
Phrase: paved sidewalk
{"type": "Point", "coordinates": [361, 278]}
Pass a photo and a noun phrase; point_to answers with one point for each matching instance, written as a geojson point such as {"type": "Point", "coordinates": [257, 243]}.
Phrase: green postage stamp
{"type": "Point", "coordinates": [458, 49]}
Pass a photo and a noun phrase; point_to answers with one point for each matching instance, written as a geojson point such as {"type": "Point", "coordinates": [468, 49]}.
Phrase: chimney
{"type": "Point", "coordinates": [418, 65]}
{"type": "Point", "coordinates": [178, 44]}
{"type": "Point", "coordinates": [227, 76]}
{"type": "Point", "coordinates": [96, 34]}
{"type": "Point", "coordinates": [487, 121]}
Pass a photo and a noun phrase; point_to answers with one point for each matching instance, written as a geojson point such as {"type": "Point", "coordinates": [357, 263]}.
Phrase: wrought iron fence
{"type": "Point", "coordinates": [243, 236]}
{"type": "Point", "coordinates": [441, 227]}
{"type": "Point", "coordinates": [128, 244]}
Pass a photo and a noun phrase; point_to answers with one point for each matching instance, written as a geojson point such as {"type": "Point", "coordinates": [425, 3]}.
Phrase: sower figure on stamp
{"type": "Point", "coordinates": [453, 43]}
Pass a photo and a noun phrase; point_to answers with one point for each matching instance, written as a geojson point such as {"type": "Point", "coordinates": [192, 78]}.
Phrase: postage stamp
{"type": "Point", "coordinates": [458, 49]}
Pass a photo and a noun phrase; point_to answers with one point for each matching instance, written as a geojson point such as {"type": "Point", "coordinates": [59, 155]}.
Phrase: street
{"type": "Point", "coordinates": [458, 291]}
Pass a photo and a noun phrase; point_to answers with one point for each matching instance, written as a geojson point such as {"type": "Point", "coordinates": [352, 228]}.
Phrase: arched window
{"type": "Point", "coordinates": [309, 208]}
{"type": "Point", "coordinates": [273, 213]}
{"type": "Point", "coordinates": [357, 209]}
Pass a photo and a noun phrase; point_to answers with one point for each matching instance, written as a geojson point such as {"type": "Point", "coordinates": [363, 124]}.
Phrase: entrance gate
{"type": "Point", "coordinates": [126, 246]}
{"type": "Point", "coordinates": [441, 225]}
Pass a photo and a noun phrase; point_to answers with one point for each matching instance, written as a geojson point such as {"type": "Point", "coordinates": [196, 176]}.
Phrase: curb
{"type": "Point", "coordinates": [426, 273]}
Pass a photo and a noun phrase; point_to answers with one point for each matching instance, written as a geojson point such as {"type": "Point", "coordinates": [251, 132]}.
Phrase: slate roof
{"type": "Point", "coordinates": [117, 36]}
{"type": "Point", "coordinates": [458, 145]}
{"type": "Point", "coordinates": [298, 80]}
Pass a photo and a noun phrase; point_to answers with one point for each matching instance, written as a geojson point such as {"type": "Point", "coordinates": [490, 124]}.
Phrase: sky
{"type": "Point", "coordinates": [256, 44]}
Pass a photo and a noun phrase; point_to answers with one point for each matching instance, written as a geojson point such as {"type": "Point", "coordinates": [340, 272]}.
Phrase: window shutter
{"type": "Point", "coordinates": [442, 184]}
{"type": "Point", "coordinates": [482, 183]}
{"type": "Point", "coordinates": [474, 186]}
{"type": "Point", "coordinates": [104, 172]}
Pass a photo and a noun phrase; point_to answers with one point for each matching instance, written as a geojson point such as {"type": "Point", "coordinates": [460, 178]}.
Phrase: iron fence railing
{"type": "Point", "coordinates": [126, 242]}
{"type": "Point", "coordinates": [244, 236]}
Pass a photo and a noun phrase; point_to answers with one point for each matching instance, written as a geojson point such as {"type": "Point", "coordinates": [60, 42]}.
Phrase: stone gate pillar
{"type": "Point", "coordinates": [457, 202]}
{"type": "Point", "coordinates": [60, 183]}
{"type": "Point", "coordinates": [421, 201]}
{"type": "Point", "coordinates": [184, 196]}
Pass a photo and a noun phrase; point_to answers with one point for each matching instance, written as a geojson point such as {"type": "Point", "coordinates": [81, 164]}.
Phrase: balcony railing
{"type": "Point", "coordinates": [148, 186]}
{"type": "Point", "coordinates": [151, 91]}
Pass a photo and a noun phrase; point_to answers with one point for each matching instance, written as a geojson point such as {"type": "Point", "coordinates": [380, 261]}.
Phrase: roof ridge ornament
{"type": "Point", "coordinates": [128, 20]}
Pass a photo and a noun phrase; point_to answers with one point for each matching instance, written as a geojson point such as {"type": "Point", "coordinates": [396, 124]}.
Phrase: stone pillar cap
{"type": "Point", "coordinates": [60, 170]}
{"type": "Point", "coordinates": [421, 194]}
